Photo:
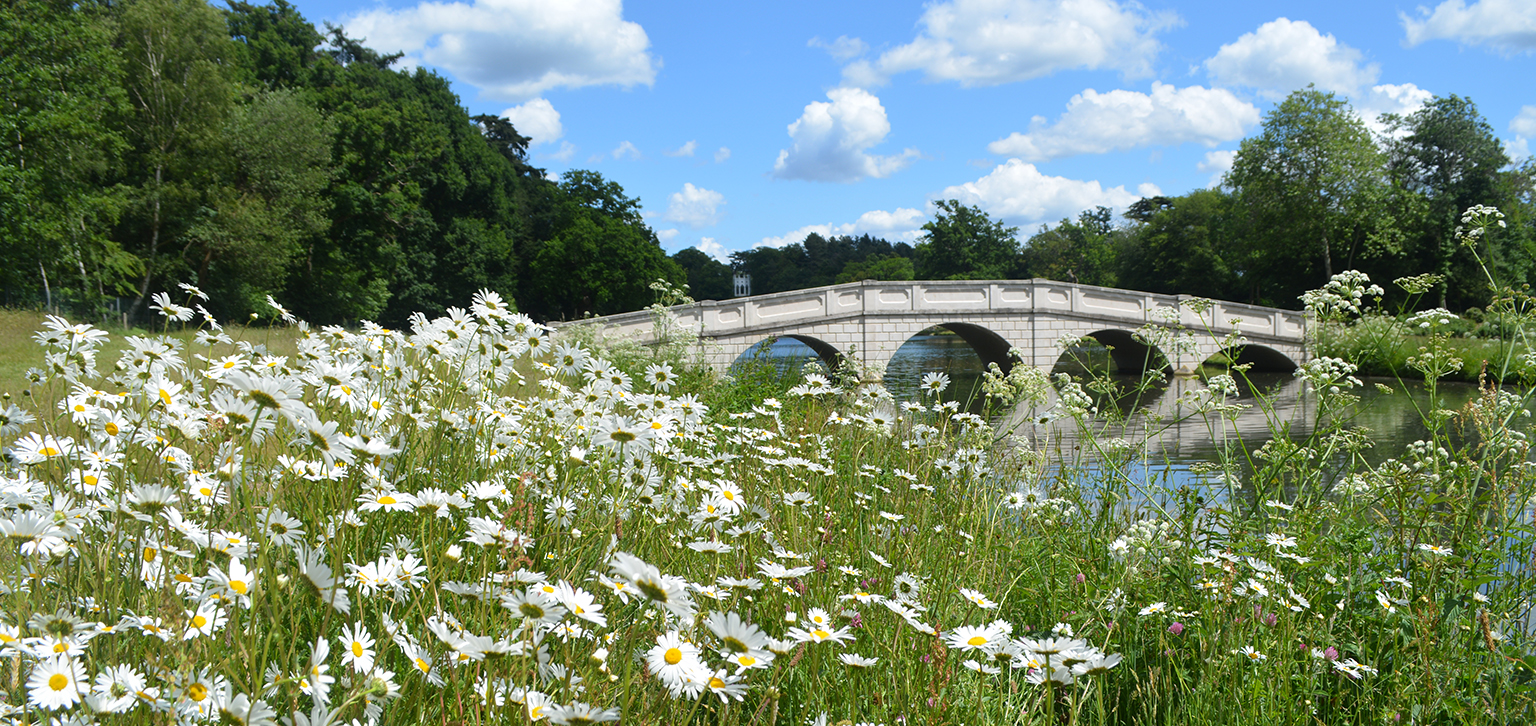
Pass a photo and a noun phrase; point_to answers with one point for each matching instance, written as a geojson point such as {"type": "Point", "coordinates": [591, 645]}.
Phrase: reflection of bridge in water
{"type": "Point", "coordinates": [1164, 428]}
{"type": "Point", "coordinates": [871, 320]}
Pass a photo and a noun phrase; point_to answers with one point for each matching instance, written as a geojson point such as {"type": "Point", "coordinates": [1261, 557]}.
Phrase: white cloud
{"type": "Point", "coordinates": [626, 150]}
{"type": "Point", "coordinates": [667, 235]}
{"type": "Point", "coordinates": [714, 249]}
{"type": "Point", "coordinates": [989, 42]}
{"type": "Point", "coordinates": [1098, 122]}
{"type": "Point", "coordinates": [1018, 193]}
{"type": "Point", "coordinates": [831, 140]}
{"type": "Point", "coordinates": [695, 207]}
{"type": "Point", "coordinates": [684, 150]}
{"type": "Point", "coordinates": [902, 225]}
{"type": "Point", "coordinates": [722, 154]}
{"type": "Point", "coordinates": [1508, 26]}
{"type": "Point", "coordinates": [841, 49]}
{"type": "Point", "coordinates": [536, 119]}
{"type": "Point", "coordinates": [515, 49]}
{"type": "Point", "coordinates": [1284, 55]}
{"type": "Point", "coordinates": [567, 150]}
{"type": "Point", "coordinates": [1524, 127]}
{"type": "Point", "coordinates": [1217, 164]}
{"type": "Point", "coordinates": [1401, 99]}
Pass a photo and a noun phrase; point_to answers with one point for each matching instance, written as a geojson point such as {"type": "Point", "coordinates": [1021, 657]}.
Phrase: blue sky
{"type": "Point", "coordinates": [744, 124]}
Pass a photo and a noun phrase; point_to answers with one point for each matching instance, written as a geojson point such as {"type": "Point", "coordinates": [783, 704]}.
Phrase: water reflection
{"type": "Point", "coordinates": [1274, 402]}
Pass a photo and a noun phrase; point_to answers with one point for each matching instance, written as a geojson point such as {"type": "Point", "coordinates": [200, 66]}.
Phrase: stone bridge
{"type": "Point", "coordinates": [869, 320]}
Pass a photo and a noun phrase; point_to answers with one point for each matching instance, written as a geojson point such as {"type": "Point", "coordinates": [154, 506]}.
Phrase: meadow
{"type": "Point", "coordinates": [478, 521]}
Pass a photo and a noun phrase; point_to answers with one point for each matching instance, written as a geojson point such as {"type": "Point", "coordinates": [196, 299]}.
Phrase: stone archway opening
{"type": "Point", "coordinates": [788, 354]}
{"type": "Point", "coordinates": [1258, 358]}
{"type": "Point", "coordinates": [1112, 352]}
{"type": "Point", "coordinates": [963, 351]}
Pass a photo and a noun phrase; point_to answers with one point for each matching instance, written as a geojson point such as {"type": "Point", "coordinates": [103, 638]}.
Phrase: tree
{"type": "Point", "coordinates": [599, 257]}
{"type": "Point", "coordinates": [708, 278]}
{"type": "Point", "coordinates": [1307, 183]}
{"type": "Point", "coordinates": [269, 204]}
{"type": "Point", "coordinates": [1083, 251]}
{"type": "Point", "coordinates": [60, 146]}
{"type": "Point", "coordinates": [964, 243]}
{"type": "Point", "coordinates": [275, 43]}
{"type": "Point", "coordinates": [889, 268]}
{"type": "Point", "coordinates": [1182, 248]}
{"type": "Point", "coordinates": [176, 53]}
{"type": "Point", "coordinates": [1447, 153]}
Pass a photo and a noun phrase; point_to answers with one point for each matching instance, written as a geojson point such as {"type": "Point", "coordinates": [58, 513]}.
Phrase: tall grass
{"type": "Point", "coordinates": [474, 522]}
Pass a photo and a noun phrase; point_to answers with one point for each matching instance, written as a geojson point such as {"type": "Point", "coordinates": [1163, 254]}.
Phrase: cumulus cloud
{"type": "Point", "coordinates": [1217, 164]}
{"type": "Point", "coordinates": [902, 225]}
{"type": "Point", "coordinates": [536, 119]}
{"type": "Point", "coordinates": [516, 49]}
{"type": "Point", "coordinates": [1524, 127]}
{"type": "Point", "coordinates": [564, 154]}
{"type": "Point", "coordinates": [722, 154]}
{"type": "Point", "coordinates": [694, 207]}
{"type": "Point", "coordinates": [1401, 99]}
{"type": "Point", "coordinates": [1098, 122]}
{"type": "Point", "coordinates": [1017, 192]}
{"type": "Point", "coordinates": [1508, 26]}
{"type": "Point", "coordinates": [626, 150]}
{"type": "Point", "coordinates": [1284, 55]}
{"type": "Point", "coordinates": [684, 150]}
{"type": "Point", "coordinates": [714, 249]}
{"type": "Point", "coordinates": [667, 235]}
{"type": "Point", "coordinates": [843, 48]}
{"type": "Point", "coordinates": [831, 140]}
{"type": "Point", "coordinates": [989, 42]}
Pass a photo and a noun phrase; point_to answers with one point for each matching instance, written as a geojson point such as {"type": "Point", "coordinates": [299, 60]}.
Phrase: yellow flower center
{"type": "Point", "coordinates": [58, 681]}
{"type": "Point", "coordinates": [111, 429]}
{"type": "Point", "coordinates": [386, 499]}
{"type": "Point", "coordinates": [165, 396]}
{"type": "Point", "coordinates": [422, 665]}
{"type": "Point", "coordinates": [149, 554]}
{"type": "Point", "coordinates": [238, 586]}
{"type": "Point", "coordinates": [673, 656]}
{"type": "Point", "coordinates": [821, 634]}
{"type": "Point", "coordinates": [976, 640]}
{"type": "Point", "coordinates": [199, 621]}
{"type": "Point", "coordinates": [747, 660]}
{"type": "Point", "coordinates": [49, 451]}
{"type": "Point", "coordinates": [198, 692]}
{"type": "Point", "coordinates": [60, 647]}
{"type": "Point", "coordinates": [357, 649]}
{"type": "Point", "coordinates": [716, 682]}
{"type": "Point", "coordinates": [89, 480]}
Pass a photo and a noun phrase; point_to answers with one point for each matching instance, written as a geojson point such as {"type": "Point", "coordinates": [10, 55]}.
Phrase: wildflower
{"type": "Point", "coordinates": [973, 638]}
{"type": "Point", "coordinates": [1437, 550]}
{"type": "Point", "coordinates": [672, 658]}
{"type": "Point", "coordinates": [357, 647]}
{"type": "Point", "coordinates": [978, 599]}
{"type": "Point", "coordinates": [1154, 608]}
{"type": "Point", "coordinates": [55, 683]}
{"type": "Point", "coordinates": [1253, 656]}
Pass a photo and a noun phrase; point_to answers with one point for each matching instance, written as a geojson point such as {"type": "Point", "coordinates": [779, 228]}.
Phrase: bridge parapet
{"type": "Point", "coordinates": [955, 298]}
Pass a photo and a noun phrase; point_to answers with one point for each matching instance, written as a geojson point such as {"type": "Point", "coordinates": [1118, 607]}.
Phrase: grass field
{"type": "Point", "coordinates": [474, 522]}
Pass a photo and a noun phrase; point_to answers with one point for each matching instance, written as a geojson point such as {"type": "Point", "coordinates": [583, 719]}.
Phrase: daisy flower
{"type": "Point", "coordinates": [978, 599]}
{"type": "Point", "coordinates": [357, 647]}
{"type": "Point", "coordinates": [55, 683]}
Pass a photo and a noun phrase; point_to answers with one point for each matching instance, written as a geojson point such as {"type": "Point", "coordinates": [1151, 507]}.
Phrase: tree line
{"type": "Point", "coordinates": [146, 143]}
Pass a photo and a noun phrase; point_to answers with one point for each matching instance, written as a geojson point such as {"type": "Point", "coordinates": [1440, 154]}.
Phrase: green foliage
{"type": "Point", "coordinates": [1083, 251]}
{"type": "Point", "coordinates": [61, 114]}
{"type": "Point", "coordinates": [1304, 188]}
{"type": "Point", "coordinates": [708, 278]}
{"type": "Point", "coordinates": [814, 262]}
{"type": "Point", "coordinates": [878, 267]}
{"type": "Point", "coordinates": [1180, 248]}
{"type": "Point", "coordinates": [965, 243]}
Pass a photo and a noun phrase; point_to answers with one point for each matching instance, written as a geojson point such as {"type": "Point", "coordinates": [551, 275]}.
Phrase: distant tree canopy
{"type": "Point", "coordinates": [817, 261]}
{"type": "Point", "coordinates": [243, 150]}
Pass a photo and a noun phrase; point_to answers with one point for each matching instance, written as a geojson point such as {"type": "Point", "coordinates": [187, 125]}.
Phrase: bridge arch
{"type": "Point", "coordinates": [1129, 353]}
{"type": "Point", "coordinates": [829, 355]}
{"type": "Point", "coordinates": [1263, 358]}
